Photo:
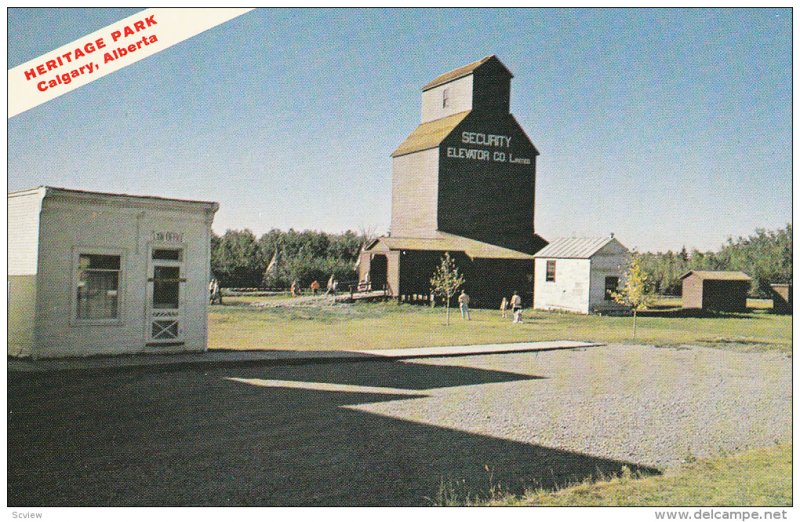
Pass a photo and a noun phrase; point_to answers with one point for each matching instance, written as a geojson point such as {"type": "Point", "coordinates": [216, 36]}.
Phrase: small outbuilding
{"type": "Point", "coordinates": [92, 273]}
{"type": "Point", "coordinates": [579, 274]}
{"type": "Point", "coordinates": [724, 291]}
{"type": "Point", "coordinates": [781, 298]}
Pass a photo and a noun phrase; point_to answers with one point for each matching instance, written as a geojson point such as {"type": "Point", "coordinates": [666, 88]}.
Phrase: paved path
{"type": "Point", "coordinates": [219, 358]}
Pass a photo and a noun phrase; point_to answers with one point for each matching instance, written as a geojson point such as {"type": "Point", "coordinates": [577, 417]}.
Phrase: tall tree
{"type": "Point", "coordinates": [236, 260]}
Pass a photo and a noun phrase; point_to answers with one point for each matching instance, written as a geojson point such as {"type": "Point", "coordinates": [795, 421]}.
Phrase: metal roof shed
{"type": "Point", "coordinates": [578, 274]}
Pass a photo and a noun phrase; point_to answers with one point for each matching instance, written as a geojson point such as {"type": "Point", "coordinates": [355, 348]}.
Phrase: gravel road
{"type": "Point", "coordinates": [384, 433]}
{"type": "Point", "coordinates": [652, 406]}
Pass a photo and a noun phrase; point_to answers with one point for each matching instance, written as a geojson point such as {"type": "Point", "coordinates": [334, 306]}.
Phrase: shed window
{"type": "Point", "coordinates": [97, 293]}
{"type": "Point", "coordinates": [551, 271]}
{"type": "Point", "coordinates": [445, 98]}
{"type": "Point", "coordinates": [612, 283]}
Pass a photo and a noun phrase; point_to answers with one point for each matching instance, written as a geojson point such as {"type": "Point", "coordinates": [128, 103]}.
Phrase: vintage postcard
{"type": "Point", "coordinates": [400, 257]}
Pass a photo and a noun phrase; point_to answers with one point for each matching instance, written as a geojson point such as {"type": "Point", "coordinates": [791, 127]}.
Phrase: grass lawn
{"type": "Point", "coordinates": [760, 477]}
{"type": "Point", "coordinates": [238, 325]}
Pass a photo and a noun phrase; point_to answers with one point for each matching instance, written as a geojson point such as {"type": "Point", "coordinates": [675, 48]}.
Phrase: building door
{"type": "Point", "coordinates": [378, 271]}
{"type": "Point", "coordinates": [165, 299]}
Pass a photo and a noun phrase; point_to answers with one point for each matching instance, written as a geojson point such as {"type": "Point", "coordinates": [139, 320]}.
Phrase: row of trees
{"type": "Point", "coordinates": [240, 260]}
{"type": "Point", "coordinates": [766, 256]}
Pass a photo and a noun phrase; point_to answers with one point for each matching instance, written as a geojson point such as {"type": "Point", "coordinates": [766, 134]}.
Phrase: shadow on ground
{"type": "Point", "coordinates": [752, 313]}
{"type": "Point", "coordinates": [195, 437]}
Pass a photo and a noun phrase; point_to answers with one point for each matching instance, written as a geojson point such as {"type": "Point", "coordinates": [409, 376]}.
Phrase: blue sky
{"type": "Point", "coordinates": [667, 127]}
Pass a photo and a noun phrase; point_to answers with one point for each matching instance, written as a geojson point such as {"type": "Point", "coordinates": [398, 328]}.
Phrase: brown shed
{"type": "Point", "coordinates": [781, 298]}
{"type": "Point", "coordinates": [709, 290]}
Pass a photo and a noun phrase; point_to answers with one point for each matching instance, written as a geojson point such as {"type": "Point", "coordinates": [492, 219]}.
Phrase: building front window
{"type": "Point", "coordinates": [97, 293]}
{"type": "Point", "coordinates": [551, 271]}
{"type": "Point", "coordinates": [445, 98]}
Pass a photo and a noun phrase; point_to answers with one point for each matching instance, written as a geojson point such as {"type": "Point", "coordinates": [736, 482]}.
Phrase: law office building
{"type": "Point", "coordinates": [92, 273]}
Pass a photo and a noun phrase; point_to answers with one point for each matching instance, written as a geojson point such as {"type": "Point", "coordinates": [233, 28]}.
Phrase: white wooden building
{"type": "Point", "coordinates": [93, 273]}
{"type": "Point", "coordinates": [577, 274]}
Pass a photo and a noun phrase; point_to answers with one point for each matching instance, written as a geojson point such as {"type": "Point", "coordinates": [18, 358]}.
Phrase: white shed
{"type": "Point", "coordinates": [92, 273]}
{"type": "Point", "coordinates": [578, 274]}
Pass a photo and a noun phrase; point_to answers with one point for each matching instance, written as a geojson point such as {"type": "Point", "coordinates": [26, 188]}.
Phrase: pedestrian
{"type": "Point", "coordinates": [329, 288]}
{"type": "Point", "coordinates": [504, 307]}
{"type": "Point", "coordinates": [293, 288]}
{"type": "Point", "coordinates": [314, 287]}
{"type": "Point", "coordinates": [215, 292]}
{"type": "Point", "coordinates": [463, 302]}
{"type": "Point", "coordinates": [516, 307]}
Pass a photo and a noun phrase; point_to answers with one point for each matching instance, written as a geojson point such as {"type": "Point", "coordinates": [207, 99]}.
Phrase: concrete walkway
{"type": "Point", "coordinates": [219, 358]}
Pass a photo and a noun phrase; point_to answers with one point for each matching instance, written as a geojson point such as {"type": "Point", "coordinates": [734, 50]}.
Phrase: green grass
{"type": "Point", "coordinates": [759, 477]}
{"type": "Point", "coordinates": [237, 325]}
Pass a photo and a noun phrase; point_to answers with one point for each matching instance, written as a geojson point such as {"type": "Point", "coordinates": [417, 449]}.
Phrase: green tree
{"type": "Point", "coordinates": [635, 292]}
{"type": "Point", "coordinates": [446, 281]}
{"type": "Point", "coordinates": [765, 256]}
{"type": "Point", "coordinates": [236, 259]}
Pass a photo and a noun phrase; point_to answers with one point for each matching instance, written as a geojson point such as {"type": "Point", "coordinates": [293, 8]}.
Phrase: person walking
{"type": "Point", "coordinates": [214, 291]}
{"type": "Point", "coordinates": [314, 286]}
{"type": "Point", "coordinates": [504, 307]}
{"type": "Point", "coordinates": [516, 307]}
{"type": "Point", "coordinates": [463, 302]}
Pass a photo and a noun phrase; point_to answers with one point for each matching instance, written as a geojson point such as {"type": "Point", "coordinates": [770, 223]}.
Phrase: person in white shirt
{"type": "Point", "coordinates": [516, 307]}
{"type": "Point", "coordinates": [463, 302]}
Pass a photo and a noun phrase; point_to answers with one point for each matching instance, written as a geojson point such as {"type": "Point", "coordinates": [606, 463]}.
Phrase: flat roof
{"type": "Point", "coordinates": [714, 275]}
{"type": "Point", "coordinates": [58, 191]}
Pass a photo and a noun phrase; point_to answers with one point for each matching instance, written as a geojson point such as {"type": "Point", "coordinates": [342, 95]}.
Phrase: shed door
{"type": "Point", "coordinates": [165, 296]}
{"type": "Point", "coordinates": [378, 271]}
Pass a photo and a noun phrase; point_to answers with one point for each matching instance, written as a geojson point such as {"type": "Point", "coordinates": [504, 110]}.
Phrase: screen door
{"type": "Point", "coordinates": [165, 299]}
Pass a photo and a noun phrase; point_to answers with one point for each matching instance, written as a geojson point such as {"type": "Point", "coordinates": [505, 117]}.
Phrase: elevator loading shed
{"type": "Point", "coordinates": [463, 182]}
{"type": "Point", "coordinates": [719, 291]}
{"type": "Point", "coordinates": [92, 273]}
